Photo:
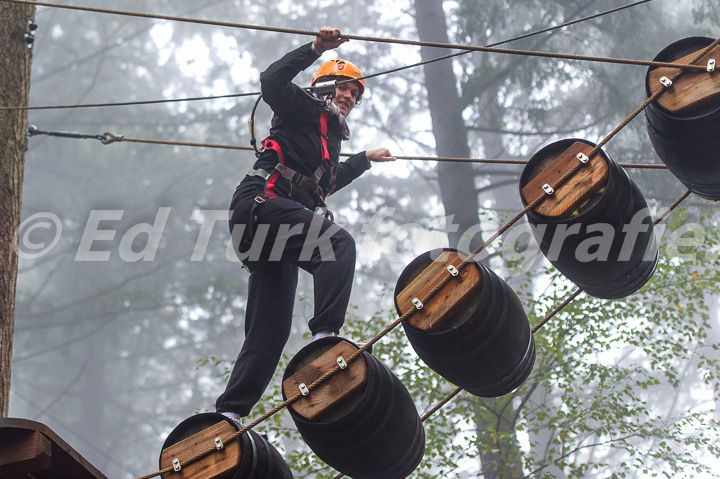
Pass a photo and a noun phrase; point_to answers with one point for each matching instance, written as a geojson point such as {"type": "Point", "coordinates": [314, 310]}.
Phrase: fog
{"type": "Point", "coordinates": [130, 314]}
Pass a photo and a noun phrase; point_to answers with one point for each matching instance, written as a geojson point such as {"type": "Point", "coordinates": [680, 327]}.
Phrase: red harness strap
{"type": "Point", "coordinates": [309, 183]}
{"type": "Point", "coordinates": [270, 185]}
{"type": "Point", "coordinates": [325, 165]}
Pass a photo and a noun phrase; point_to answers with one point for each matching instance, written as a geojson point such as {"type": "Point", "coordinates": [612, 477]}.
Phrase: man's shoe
{"type": "Point", "coordinates": [323, 334]}
{"type": "Point", "coordinates": [235, 417]}
{"type": "Point", "coordinates": [238, 420]}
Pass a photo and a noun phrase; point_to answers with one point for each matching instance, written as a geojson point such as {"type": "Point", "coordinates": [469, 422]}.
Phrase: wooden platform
{"type": "Point", "coordinates": [31, 450]}
{"type": "Point", "coordinates": [333, 393]}
{"type": "Point", "coordinates": [441, 308]}
{"type": "Point", "coordinates": [693, 89]}
{"type": "Point", "coordinates": [572, 194]}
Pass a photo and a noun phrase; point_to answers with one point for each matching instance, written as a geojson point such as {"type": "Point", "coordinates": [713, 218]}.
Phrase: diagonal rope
{"type": "Point", "coordinates": [507, 51]}
{"type": "Point", "coordinates": [549, 316]}
{"type": "Point", "coordinates": [575, 293]}
{"type": "Point", "coordinates": [425, 416]}
{"type": "Point", "coordinates": [561, 306]}
{"type": "Point", "coordinates": [590, 155]}
{"type": "Point", "coordinates": [509, 40]}
{"type": "Point", "coordinates": [357, 353]}
{"type": "Point", "coordinates": [539, 200]}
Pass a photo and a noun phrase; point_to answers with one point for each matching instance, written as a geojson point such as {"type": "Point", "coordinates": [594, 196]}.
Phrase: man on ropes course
{"type": "Point", "coordinates": [272, 219]}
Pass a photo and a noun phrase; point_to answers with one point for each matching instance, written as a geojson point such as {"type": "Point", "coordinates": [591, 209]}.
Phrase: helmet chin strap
{"type": "Point", "coordinates": [335, 111]}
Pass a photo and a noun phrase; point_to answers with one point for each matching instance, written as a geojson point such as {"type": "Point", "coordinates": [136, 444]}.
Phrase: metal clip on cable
{"type": "Point", "coordinates": [251, 130]}
{"type": "Point", "coordinates": [107, 138]}
{"type": "Point", "coordinates": [326, 89]}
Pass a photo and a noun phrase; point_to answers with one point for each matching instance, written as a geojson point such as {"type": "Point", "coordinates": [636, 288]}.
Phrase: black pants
{"type": "Point", "coordinates": [288, 237]}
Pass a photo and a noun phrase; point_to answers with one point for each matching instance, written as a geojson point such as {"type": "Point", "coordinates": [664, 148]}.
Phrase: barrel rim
{"type": "Point", "coordinates": [631, 288]}
{"type": "Point", "coordinates": [663, 56]}
{"type": "Point", "coordinates": [515, 377]}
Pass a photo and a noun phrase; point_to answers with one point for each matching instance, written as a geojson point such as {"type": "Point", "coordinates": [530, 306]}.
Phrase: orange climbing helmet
{"type": "Point", "coordinates": [340, 68]}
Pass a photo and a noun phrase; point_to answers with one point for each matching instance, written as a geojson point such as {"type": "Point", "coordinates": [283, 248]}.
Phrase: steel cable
{"type": "Point", "coordinates": [507, 51]}
{"type": "Point", "coordinates": [385, 72]}
{"type": "Point", "coordinates": [109, 138]}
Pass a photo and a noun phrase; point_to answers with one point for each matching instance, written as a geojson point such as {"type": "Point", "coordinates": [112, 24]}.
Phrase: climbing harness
{"type": "Point", "coordinates": [322, 93]}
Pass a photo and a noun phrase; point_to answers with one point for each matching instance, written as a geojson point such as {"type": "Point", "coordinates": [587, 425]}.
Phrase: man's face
{"type": "Point", "coordinates": [346, 96]}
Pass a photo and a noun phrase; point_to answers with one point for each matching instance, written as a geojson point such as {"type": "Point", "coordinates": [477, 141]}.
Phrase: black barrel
{"type": "Point", "coordinates": [487, 348]}
{"type": "Point", "coordinates": [259, 459]}
{"type": "Point", "coordinates": [688, 143]}
{"type": "Point", "coordinates": [607, 247]}
{"type": "Point", "coordinates": [377, 434]}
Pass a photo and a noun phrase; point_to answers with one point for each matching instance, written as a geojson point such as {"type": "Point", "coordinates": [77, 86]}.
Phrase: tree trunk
{"type": "Point", "coordinates": [500, 457]}
{"type": "Point", "coordinates": [457, 180]}
{"type": "Point", "coordinates": [15, 81]}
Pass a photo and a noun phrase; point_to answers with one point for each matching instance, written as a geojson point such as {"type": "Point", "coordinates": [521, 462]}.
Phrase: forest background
{"type": "Point", "coordinates": [118, 340]}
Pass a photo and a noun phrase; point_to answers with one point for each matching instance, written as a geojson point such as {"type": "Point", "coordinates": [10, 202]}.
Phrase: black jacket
{"type": "Point", "coordinates": [296, 128]}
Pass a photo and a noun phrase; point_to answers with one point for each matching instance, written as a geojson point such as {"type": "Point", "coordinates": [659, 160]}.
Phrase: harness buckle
{"type": "Point", "coordinates": [296, 177]}
{"type": "Point", "coordinates": [260, 199]}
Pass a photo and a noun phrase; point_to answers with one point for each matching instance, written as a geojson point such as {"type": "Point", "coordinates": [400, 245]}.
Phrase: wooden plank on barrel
{"type": "Point", "coordinates": [23, 452]}
{"type": "Point", "coordinates": [440, 309]}
{"type": "Point", "coordinates": [693, 89]}
{"type": "Point", "coordinates": [216, 465]}
{"type": "Point", "coordinates": [334, 391]}
{"type": "Point", "coordinates": [589, 179]}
